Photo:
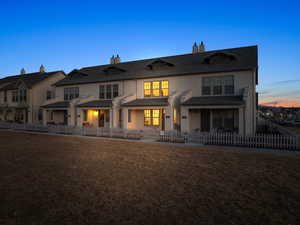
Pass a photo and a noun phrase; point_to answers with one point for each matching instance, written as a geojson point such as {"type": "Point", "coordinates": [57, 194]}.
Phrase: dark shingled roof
{"type": "Point", "coordinates": [227, 60]}
{"type": "Point", "coordinates": [97, 103]}
{"type": "Point", "coordinates": [30, 79]}
{"type": "Point", "coordinates": [62, 104]}
{"type": "Point", "coordinates": [214, 100]}
{"type": "Point", "coordinates": [147, 102]}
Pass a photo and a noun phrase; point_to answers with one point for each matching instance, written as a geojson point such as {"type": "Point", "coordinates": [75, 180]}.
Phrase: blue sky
{"type": "Point", "coordinates": [73, 34]}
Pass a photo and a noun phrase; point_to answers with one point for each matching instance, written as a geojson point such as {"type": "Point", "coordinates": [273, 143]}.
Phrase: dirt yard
{"type": "Point", "coordinates": [51, 180]}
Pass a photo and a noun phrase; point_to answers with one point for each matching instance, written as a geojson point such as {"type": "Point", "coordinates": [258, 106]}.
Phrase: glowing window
{"type": "Point", "coordinates": [147, 117]}
{"type": "Point", "coordinates": [155, 117]}
{"type": "Point", "coordinates": [165, 88]}
{"type": "Point", "coordinates": [174, 116]}
{"type": "Point", "coordinates": [147, 89]}
{"type": "Point", "coordinates": [156, 88]}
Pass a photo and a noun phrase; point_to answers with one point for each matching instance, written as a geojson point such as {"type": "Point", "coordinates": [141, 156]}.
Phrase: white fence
{"type": "Point", "coordinates": [255, 141]}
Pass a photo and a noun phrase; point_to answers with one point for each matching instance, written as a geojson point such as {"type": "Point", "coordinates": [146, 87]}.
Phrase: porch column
{"type": "Point", "coordinates": [241, 121]}
{"type": "Point", "coordinates": [184, 119]}
{"type": "Point", "coordinates": [125, 118]}
{"type": "Point", "coordinates": [45, 117]}
{"type": "Point", "coordinates": [79, 117]}
{"type": "Point", "coordinates": [115, 117]}
{"type": "Point", "coordinates": [111, 118]}
{"type": "Point", "coordinates": [169, 118]}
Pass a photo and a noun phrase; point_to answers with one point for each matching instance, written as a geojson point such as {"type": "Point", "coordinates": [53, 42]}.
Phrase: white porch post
{"type": "Point", "coordinates": [111, 118]}
{"type": "Point", "coordinates": [45, 117]}
{"type": "Point", "coordinates": [169, 118]}
{"type": "Point", "coordinates": [79, 115]}
{"type": "Point", "coordinates": [184, 120]}
{"type": "Point", "coordinates": [125, 118]}
{"type": "Point", "coordinates": [241, 121]}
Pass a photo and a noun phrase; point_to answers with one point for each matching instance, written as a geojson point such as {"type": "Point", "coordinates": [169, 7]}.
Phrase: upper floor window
{"type": "Point", "coordinates": [156, 88]}
{"type": "Point", "coordinates": [223, 85]}
{"type": "Point", "coordinates": [5, 96]}
{"type": "Point", "coordinates": [15, 96]}
{"type": "Point", "coordinates": [71, 93]}
{"type": "Point", "coordinates": [108, 91]}
{"type": "Point", "coordinates": [22, 95]}
{"type": "Point", "coordinates": [49, 95]}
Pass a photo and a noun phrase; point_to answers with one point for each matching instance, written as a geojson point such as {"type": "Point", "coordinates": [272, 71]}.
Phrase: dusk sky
{"type": "Point", "coordinates": [64, 35]}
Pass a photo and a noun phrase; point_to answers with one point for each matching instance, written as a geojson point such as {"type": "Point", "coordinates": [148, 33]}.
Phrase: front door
{"type": "Point", "coordinates": [205, 120]}
{"type": "Point", "coordinates": [65, 117]}
{"type": "Point", "coordinates": [101, 118]}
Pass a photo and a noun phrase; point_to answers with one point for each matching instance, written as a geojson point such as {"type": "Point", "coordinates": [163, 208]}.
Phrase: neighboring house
{"type": "Point", "coordinates": [22, 95]}
{"type": "Point", "coordinates": [206, 91]}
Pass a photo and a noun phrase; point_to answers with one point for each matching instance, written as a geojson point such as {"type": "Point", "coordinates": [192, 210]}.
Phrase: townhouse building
{"type": "Point", "coordinates": [21, 96]}
{"type": "Point", "coordinates": [205, 91]}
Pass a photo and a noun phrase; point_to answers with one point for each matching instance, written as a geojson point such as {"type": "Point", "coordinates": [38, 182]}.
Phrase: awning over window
{"type": "Point", "coordinates": [147, 102]}
{"type": "Point", "coordinates": [96, 104]}
{"type": "Point", "coordinates": [214, 100]}
{"type": "Point", "coordinates": [62, 104]}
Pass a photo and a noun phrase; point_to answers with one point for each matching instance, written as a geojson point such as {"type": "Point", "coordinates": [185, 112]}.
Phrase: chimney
{"type": "Point", "coordinates": [23, 71]}
{"type": "Point", "coordinates": [112, 60]}
{"type": "Point", "coordinates": [195, 48]}
{"type": "Point", "coordinates": [115, 60]}
{"type": "Point", "coordinates": [42, 69]}
{"type": "Point", "coordinates": [201, 47]}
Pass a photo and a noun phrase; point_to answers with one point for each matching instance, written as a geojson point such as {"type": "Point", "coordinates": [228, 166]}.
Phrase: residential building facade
{"type": "Point", "coordinates": [21, 96]}
{"type": "Point", "coordinates": [206, 91]}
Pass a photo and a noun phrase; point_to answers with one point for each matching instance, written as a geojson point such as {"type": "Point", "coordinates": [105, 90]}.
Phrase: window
{"type": "Point", "coordinates": [174, 116]}
{"type": "Point", "coordinates": [5, 96]}
{"type": "Point", "coordinates": [22, 95]}
{"type": "Point", "coordinates": [14, 96]}
{"type": "Point", "coordinates": [165, 88]}
{"type": "Point", "coordinates": [225, 120]}
{"type": "Point", "coordinates": [48, 95]}
{"type": "Point", "coordinates": [51, 115]}
{"type": "Point", "coordinates": [147, 89]}
{"type": "Point", "coordinates": [223, 85]}
{"type": "Point", "coordinates": [102, 92]}
{"type": "Point", "coordinates": [147, 117]}
{"type": "Point", "coordinates": [40, 116]}
{"type": "Point", "coordinates": [151, 117]}
{"type": "Point", "coordinates": [129, 116]}
{"type": "Point", "coordinates": [71, 93]}
{"type": "Point", "coordinates": [108, 91]}
{"type": "Point", "coordinates": [115, 90]}
{"type": "Point", "coordinates": [155, 117]}
{"type": "Point", "coordinates": [156, 88]}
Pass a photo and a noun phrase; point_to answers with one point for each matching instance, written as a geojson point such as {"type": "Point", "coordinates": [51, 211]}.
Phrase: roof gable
{"type": "Point", "coordinates": [159, 64]}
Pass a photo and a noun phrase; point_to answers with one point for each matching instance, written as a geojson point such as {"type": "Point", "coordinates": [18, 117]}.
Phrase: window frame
{"type": "Point", "coordinates": [155, 92]}
{"type": "Point", "coordinates": [150, 116]}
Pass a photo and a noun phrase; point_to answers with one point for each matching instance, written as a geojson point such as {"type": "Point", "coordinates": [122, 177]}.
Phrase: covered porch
{"type": "Point", "coordinates": [95, 114]}
{"type": "Point", "coordinates": [56, 113]}
{"type": "Point", "coordinates": [147, 114]}
{"type": "Point", "coordinates": [216, 114]}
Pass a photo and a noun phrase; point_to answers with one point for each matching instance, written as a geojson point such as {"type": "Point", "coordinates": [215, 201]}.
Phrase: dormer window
{"type": "Point", "coordinates": [113, 70]}
{"type": "Point", "coordinates": [159, 64]}
{"type": "Point", "coordinates": [220, 58]}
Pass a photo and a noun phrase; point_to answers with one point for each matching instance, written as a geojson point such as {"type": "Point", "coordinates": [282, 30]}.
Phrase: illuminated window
{"type": "Point", "coordinates": [147, 89]}
{"type": "Point", "coordinates": [151, 117]}
{"type": "Point", "coordinates": [147, 117]}
{"type": "Point", "coordinates": [165, 88]}
{"type": "Point", "coordinates": [156, 88]}
{"type": "Point", "coordinates": [155, 117]}
{"type": "Point", "coordinates": [174, 116]}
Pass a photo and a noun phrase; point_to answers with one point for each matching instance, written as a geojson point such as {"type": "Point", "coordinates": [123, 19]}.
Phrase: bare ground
{"type": "Point", "coordinates": [70, 180]}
